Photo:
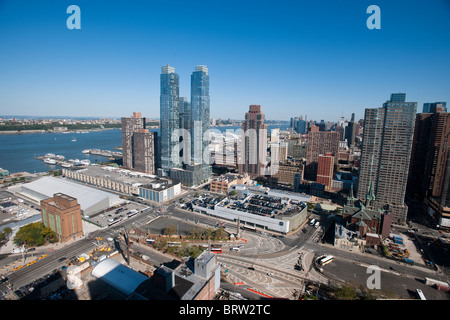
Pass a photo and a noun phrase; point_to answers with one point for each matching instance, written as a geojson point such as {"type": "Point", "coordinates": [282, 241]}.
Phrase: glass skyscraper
{"type": "Point", "coordinates": [199, 113]}
{"type": "Point", "coordinates": [169, 117]}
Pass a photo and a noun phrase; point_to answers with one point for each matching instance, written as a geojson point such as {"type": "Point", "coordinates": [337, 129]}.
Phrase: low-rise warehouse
{"type": "Point", "coordinates": [148, 186]}
{"type": "Point", "coordinates": [91, 200]}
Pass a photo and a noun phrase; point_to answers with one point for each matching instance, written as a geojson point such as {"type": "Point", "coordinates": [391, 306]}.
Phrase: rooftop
{"type": "Point", "coordinates": [129, 177]}
{"type": "Point", "coordinates": [265, 205]}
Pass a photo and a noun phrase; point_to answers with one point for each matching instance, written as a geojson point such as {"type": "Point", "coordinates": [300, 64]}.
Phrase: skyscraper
{"type": "Point", "coordinates": [144, 151]}
{"type": "Point", "coordinates": [350, 131]}
{"type": "Point", "coordinates": [253, 150]}
{"type": "Point", "coordinates": [169, 117]}
{"type": "Point", "coordinates": [138, 144]}
{"type": "Point", "coordinates": [429, 170]}
{"type": "Point", "coordinates": [385, 156]}
{"type": "Point", "coordinates": [319, 142]}
{"type": "Point", "coordinates": [199, 113]}
{"type": "Point", "coordinates": [181, 153]}
{"type": "Point", "coordinates": [130, 125]}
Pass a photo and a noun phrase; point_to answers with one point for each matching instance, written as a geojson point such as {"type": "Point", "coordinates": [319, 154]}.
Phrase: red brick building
{"type": "Point", "coordinates": [325, 170]}
{"type": "Point", "coordinates": [62, 214]}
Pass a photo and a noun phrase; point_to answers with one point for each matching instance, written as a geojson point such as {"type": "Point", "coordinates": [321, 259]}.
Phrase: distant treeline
{"type": "Point", "coordinates": [52, 126]}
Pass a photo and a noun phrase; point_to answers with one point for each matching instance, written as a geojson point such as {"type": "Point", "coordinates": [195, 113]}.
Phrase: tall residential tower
{"type": "Point", "coordinates": [385, 156]}
{"type": "Point", "coordinates": [253, 149]}
{"type": "Point", "coordinates": [169, 116]}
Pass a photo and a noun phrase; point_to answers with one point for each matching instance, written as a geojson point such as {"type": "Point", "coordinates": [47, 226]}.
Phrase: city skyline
{"type": "Point", "coordinates": [292, 58]}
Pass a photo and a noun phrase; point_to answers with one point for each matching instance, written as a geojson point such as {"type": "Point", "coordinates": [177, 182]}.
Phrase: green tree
{"type": "Point", "coordinates": [170, 230]}
{"type": "Point", "coordinates": [34, 234]}
{"type": "Point", "coordinates": [346, 292]}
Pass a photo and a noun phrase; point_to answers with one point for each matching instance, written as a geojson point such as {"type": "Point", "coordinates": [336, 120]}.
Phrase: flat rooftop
{"type": "Point", "coordinates": [265, 205]}
{"type": "Point", "coordinates": [129, 177]}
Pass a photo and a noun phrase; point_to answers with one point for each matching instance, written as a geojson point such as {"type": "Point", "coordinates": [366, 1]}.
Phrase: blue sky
{"type": "Point", "coordinates": [314, 58]}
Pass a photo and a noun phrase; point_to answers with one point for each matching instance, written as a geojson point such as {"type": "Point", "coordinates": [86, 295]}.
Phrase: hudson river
{"type": "Point", "coordinates": [17, 150]}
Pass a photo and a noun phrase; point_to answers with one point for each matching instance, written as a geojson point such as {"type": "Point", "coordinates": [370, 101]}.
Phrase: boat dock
{"type": "Point", "coordinates": [103, 153]}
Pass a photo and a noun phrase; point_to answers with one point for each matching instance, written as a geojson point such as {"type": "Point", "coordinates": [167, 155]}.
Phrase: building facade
{"type": "Point", "coordinates": [200, 110]}
{"type": "Point", "coordinates": [319, 142]}
{"type": "Point", "coordinates": [130, 125]}
{"type": "Point", "coordinates": [169, 117]}
{"type": "Point", "coordinates": [325, 170]}
{"type": "Point", "coordinates": [430, 170]}
{"type": "Point", "coordinates": [385, 156]}
{"type": "Point", "coordinates": [144, 151]}
{"type": "Point", "coordinates": [253, 149]}
{"type": "Point", "coordinates": [223, 183]}
{"type": "Point", "coordinates": [62, 214]}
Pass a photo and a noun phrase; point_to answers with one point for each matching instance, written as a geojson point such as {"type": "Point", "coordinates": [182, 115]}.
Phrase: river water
{"type": "Point", "coordinates": [17, 150]}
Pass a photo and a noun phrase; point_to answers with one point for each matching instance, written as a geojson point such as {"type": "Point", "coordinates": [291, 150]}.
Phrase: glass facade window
{"type": "Point", "coordinates": [169, 114]}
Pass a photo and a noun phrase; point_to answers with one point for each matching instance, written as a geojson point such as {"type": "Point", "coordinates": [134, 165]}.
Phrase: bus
{"type": "Point", "coordinates": [420, 294]}
{"type": "Point", "coordinates": [114, 222]}
{"type": "Point", "coordinates": [216, 250]}
{"type": "Point", "coordinates": [248, 228]}
{"type": "Point", "coordinates": [174, 244]}
{"type": "Point", "coordinates": [326, 260]}
{"type": "Point", "coordinates": [132, 213]}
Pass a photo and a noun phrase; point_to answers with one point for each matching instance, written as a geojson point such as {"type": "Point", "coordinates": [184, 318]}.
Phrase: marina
{"type": "Point", "coordinates": [53, 160]}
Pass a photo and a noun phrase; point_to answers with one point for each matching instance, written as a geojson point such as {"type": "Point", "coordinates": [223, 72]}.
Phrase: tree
{"type": "Point", "coordinates": [34, 234]}
{"type": "Point", "coordinates": [170, 230]}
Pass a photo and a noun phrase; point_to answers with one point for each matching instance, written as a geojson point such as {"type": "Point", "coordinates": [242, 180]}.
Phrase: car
{"type": "Point", "coordinates": [62, 259]}
{"type": "Point", "coordinates": [270, 274]}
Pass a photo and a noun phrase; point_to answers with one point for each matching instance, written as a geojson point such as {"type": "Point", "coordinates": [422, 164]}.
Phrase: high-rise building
{"type": "Point", "coordinates": [185, 113]}
{"type": "Point", "coordinates": [430, 170]}
{"type": "Point", "coordinates": [169, 117]}
{"type": "Point", "coordinates": [183, 158]}
{"type": "Point", "coordinates": [253, 151]}
{"type": "Point", "coordinates": [385, 156]}
{"type": "Point", "coordinates": [429, 107]}
{"type": "Point", "coordinates": [319, 142]}
{"type": "Point", "coordinates": [144, 151]}
{"type": "Point", "coordinates": [350, 131]}
{"type": "Point", "coordinates": [199, 113]}
{"type": "Point", "coordinates": [325, 170]}
{"type": "Point", "coordinates": [62, 214]}
{"type": "Point", "coordinates": [130, 125]}
{"type": "Point", "coordinates": [138, 144]}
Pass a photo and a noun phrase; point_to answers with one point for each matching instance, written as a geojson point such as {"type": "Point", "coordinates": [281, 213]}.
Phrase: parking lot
{"type": "Point", "coordinates": [13, 208]}
{"type": "Point", "coordinates": [119, 212]}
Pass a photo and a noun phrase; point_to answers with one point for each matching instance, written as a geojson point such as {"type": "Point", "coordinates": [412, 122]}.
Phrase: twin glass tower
{"type": "Point", "coordinates": [184, 124]}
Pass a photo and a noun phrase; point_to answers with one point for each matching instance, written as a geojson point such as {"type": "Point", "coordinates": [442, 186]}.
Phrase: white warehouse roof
{"type": "Point", "coordinates": [90, 199]}
{"type": "Point", "coordinates": [119, 276]}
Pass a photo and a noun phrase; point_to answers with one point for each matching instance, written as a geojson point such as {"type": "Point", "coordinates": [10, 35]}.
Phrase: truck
{"type": "Point", "coordinates": [408, 261]}
{"type": "Point", "coordinates": [317, 224]}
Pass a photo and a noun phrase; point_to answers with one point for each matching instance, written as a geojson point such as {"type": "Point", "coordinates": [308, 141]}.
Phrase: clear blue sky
{"type": "Point", "coordinates": [314, 58]}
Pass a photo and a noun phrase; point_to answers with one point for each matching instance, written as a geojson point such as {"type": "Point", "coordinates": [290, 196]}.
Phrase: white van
{"type": "Point", "coordinates": [317, 224]}
{"type": "Point", "coordinates": [311, 222]}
